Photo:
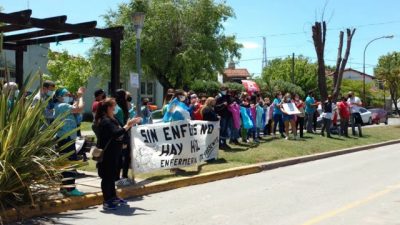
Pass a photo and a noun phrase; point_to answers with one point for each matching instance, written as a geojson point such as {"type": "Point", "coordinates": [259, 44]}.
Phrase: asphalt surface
{"type": "Point", "coordinates": [360, 188]}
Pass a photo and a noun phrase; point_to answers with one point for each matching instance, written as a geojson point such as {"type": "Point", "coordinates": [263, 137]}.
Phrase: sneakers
{"type": "Point", "coordinates": [74, 193]}
{"type": "Point", "coordinates": [124, 182]}
{"type": "Point", "coordinates": [286, 138]}
{"type": "Point", "coordinates": [119, 201]}
{"type": "Point", "coordinates": [109, 206]}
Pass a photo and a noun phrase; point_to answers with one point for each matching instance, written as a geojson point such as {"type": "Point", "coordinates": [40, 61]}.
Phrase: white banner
{"type": "Point", "coordinates": [291, 108]}
{"type": "Point", "coordinates": [172, 145]}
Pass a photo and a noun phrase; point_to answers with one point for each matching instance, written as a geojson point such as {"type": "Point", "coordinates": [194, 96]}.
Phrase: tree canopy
{"type": "Point", "coordinates": [388, 70]}
{"type": "Point", "coordinates": [69, 71]}
{"type": "Point", "coordinates": [181, 41]}
{"type": "Point", "coordinates": [304, 72]}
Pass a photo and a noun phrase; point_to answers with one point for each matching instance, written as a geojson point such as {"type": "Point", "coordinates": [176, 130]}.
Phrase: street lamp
{"type": "Point", "coordinates": [365, 49]}
{"type": "Point", "coordinates": [138, 21]}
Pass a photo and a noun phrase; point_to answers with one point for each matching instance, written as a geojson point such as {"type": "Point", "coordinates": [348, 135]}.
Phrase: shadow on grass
{"type": "Point", "coordinates": [183, 173]}
{"type": "Point", "coordinates": [236, 149]}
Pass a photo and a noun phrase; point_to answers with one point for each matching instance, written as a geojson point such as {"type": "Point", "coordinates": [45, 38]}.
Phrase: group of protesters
{"type": "Point", "coordinates": [250, 116]}
{"type": "Point", "coordinates": [242, 116]}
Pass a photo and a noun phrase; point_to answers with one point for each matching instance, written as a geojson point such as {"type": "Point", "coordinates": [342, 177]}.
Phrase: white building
{"type": "Point", "coordinates": [351, 74]}
{"type": "Point", "coordinates": [35, 59]}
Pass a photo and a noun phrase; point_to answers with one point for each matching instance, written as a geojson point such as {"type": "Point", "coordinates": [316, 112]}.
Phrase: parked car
{"type": "Point", "coordinates": [379, 116]}
{"type": "Point", "coordinates": [157, 116]}
{"type": "Point", "coordinates": [366, 115]}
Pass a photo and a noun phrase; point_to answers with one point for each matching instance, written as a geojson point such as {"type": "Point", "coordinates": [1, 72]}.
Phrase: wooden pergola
{"type": "Point", "coordinates": [54, 29]}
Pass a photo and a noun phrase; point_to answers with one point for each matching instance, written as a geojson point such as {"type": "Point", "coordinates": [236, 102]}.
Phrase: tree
{"type": "Point", "coordinates": [181, 40]}
{"type": "Point", "coordinates": [304, 71]}
{"type": "Point", "coordinates": [69, 71]}
{"type": "Point", "coordinates": [319, 38]}
{"type": "Point", "coordinates": [269, 88]}
{"type": "Point", "coordinates": [341, 62]}
{"type": "Point", "coordinates": [388, 70]}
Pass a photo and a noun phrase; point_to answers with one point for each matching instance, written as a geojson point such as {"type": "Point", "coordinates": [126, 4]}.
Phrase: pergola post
{"type": "Point", "coordinates": [19, 67]}
{"type": "Point", "coordinates": [115, 64]}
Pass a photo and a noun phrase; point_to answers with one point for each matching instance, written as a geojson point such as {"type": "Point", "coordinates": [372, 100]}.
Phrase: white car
{"type": "Point", "coordinates": [366, 115]}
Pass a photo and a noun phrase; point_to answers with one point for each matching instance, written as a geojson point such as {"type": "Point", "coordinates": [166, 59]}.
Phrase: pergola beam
{"type": "Point", "coordinates": [66, 37]}
{"type": "Point", "coordinates": [20, 17]}
{"type": "Point", "coordinates": [13, 47]}
{"type": "Point", "coordinates": [12, 27]}
{"type": "Point", "coordinates": [43, 33]}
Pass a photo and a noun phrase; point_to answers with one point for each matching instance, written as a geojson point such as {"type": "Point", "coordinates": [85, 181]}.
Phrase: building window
{"type": "Point", "coordinates": [147, 90]}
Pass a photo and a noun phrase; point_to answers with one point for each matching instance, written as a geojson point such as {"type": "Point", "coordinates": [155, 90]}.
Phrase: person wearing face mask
{"type": "Point", "coordinates": [310, 110]}
{"type": "Point", "coordinates": [46, 92]}
{"type": "Point", "coordinates": [63, 108]}
{"type": "Point", "coordinates": [277, 114]}
{"type": "Point", "coordinates": [354, 103]}
{"type": "Point", "coordinates": [327, 115]}
{"type": "Point", "coordinates": [221, 108]}
{"type": "Point", "coordinates": [268, 108]}
{"type": "Point", "coordinates": [288, 119]}
{"type": "Point", "coordinates": [131, 105]}
{"type": "Point", "coordinates": [300, 117]}
{"type": "Point", "coordinates": [177, 110]}
{"type": "Point", "coordinates": [111, 139]}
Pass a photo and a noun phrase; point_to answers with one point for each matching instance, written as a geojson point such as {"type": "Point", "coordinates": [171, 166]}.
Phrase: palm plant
{"type": "Point", "coordinates": [28, 157]}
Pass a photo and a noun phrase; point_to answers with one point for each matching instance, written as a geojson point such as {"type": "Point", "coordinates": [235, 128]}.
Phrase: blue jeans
{"type": "Point", "coordinates": [310, 122]}
{"type": "Point", "coordinates": [223, 132]}
{"type": "Point", "coordinates": [278, 119]}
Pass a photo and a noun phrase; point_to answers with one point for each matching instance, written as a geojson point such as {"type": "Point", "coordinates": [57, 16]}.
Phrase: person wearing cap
{"type": "Point", "coordinates": [354, 103]}
{"type": "Point", "coordinates": [66, 110]}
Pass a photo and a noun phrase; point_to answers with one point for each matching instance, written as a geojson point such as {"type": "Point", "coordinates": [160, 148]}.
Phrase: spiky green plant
{"type": "Point", "coordinates": [29, 163]}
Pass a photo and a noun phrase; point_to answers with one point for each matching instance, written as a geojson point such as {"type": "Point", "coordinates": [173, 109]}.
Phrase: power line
{"type": "Point", "coordinates": [331, 29]}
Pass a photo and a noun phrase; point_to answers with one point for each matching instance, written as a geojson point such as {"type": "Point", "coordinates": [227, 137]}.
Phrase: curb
{"type": "Point", "coordinates": [76, 203]}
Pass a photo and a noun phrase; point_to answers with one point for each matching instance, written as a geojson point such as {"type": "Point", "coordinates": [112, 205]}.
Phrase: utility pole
{"type": "Point", "coordinates": [292, 74]}
{"type": "Point", "coordinates": [264, 60]}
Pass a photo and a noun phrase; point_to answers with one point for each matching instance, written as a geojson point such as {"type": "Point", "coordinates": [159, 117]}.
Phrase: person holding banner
{"type": "Point", "coordinates": [221, 108]}
{"type": "Point", "coordinates": [288, 118]}
{"type": "Point", "coordinates": [110, 139]}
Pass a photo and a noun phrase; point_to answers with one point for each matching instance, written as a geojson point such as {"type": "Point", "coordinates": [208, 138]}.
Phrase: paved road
{"type": "Point", "coordinates": [360, 188]}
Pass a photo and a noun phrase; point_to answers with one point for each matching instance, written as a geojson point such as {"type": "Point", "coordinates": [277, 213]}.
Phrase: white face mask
{"type": "Point", "coordinates": [67, 99]}
{"type": "Point", "coordinates": [50, 93]}
{"type": "Point", "coordinates": [182, 98]}
{"type": "Point", "coordinates": [115, 110]}
{"type": "Point", "coordinates": [223, 92]}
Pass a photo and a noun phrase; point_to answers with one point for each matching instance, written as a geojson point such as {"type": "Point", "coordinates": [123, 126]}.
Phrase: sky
{"type": "Point", "coordinates": [286, 25]}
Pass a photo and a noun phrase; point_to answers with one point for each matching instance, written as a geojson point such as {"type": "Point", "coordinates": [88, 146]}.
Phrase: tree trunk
{"type": "Point", "coordinates": [338, 60]}
{"type": "Point", "coordinates": [338, 82]}
{"type": "Point", "coordinates": [318, 35]}
{"type": "Point", "coordinates": [394, 97]}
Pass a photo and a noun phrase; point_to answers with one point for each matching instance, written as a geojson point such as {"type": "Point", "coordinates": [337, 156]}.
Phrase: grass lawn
{"type": "Point", "coordinates": [273, 149]}
{"type": "Point", "coordinates": [86, 126]}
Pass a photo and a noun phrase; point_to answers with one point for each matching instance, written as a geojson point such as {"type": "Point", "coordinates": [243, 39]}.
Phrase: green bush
{"type": "Point", "coordinates": [235, 86]}
{"type": "Point", "coordinates": [210, 88]}
{"type": "Point", "coordinates": [268, 89]}
{"type": "Point", "coordinates": [28, 159]}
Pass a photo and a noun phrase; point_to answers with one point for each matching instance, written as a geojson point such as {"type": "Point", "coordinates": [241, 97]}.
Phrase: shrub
{"type": "Point", "coordinates": [28, 158]}
{"type": "Point", "coordinates": [211, 88]}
